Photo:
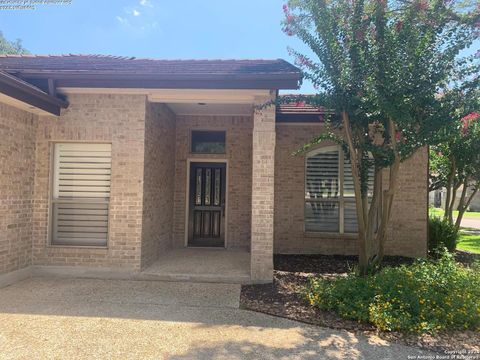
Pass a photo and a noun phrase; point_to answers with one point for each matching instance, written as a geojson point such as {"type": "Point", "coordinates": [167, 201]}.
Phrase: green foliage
{"type": "Point", "coordinates": [384, 68]}
{"type": "Point", "coordinates": [426, 297]}
{"type": "Point", "coordinates": [439, 168]}
{"type": "Point", "coordinates": [11, 47]}
{"type": "Point", "coordinates": [455, 156]}
{"type": "Point", "coordinates": [382, 62]}
{"type": "Point", "coordinates": [441, 234]}
{"type": "Point", "coordinates": [469, 241]}
{"type": "Point", "coordinates": [457, 149]}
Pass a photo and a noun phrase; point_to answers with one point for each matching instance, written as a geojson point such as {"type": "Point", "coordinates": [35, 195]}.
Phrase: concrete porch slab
{"type": "Point", "coordinates": [201, 265]}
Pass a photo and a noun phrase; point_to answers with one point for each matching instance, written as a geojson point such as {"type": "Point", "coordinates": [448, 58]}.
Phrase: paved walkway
{"type": "Point", "coordinates": [48, 318]}
{"type": "Point", "coordinates": [473, 223]}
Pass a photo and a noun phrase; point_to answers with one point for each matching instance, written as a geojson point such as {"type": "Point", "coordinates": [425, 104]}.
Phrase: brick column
{"type": "Point", "coordinates": [263, 165]}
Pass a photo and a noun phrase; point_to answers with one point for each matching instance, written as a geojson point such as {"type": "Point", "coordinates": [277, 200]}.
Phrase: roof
{"type": "Point", "coordinates": [29, 94]}
{"type": "Point", "coordinates": [110, 71]}
{"type": "Point", "coordinates": [300, 111]}
{"type": "Point", "coordinates": [138, 65]}
{"type": "Point", "coordinates": [300, 108]}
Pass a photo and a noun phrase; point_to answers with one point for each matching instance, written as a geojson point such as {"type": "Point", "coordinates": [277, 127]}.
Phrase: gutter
{"type": "Point", "coordinates": [128, 79]}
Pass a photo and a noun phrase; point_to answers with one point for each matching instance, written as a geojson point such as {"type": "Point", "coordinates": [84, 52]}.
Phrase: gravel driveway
{"type": "Point", "coordinates": [52, 318]}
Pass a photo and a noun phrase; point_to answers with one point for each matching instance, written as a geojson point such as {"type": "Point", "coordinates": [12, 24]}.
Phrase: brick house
{"type": "Point", "coordinates": [125, 167]}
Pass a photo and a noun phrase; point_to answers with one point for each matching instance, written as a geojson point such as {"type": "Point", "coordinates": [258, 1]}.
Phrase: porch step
{"type": "Point", "coordinates": [200, 265]}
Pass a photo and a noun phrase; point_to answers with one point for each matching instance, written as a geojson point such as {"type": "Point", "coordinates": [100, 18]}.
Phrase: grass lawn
{"type": "Point", "coordinates": [469, 241]}
{"type": "Point", "coordinates": [468, 214]}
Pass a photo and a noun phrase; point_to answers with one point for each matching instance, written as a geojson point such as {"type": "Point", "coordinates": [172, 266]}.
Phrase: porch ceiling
{"type": "Point", "coordinates": [211, 109]}
{"type": "Point", "coordinates": [209, 102]}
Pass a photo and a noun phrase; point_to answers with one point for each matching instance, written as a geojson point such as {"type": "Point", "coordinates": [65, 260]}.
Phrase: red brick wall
{"type": "Point", "coordinates": [158, 186]}
{"type": "Point", "coordinates": [263, 194]}
{"type": "Point", "coordinates": [145, 219]}
{"type": "Point", "coordinates": [119, 120]}
{"type": "Point", "coordinates": [17, 165]}
{"type": "Point", "coordinates": [407, 233]}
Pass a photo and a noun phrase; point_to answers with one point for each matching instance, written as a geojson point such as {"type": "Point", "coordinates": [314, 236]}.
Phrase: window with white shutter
{"type": "Point", "coordinates": [81, 193]}
{"type": "Point", "coordinates": [329, 194]}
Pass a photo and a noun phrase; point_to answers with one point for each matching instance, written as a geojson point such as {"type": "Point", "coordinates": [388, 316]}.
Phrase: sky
{"type": "Point", "coordinates": [166, 29]}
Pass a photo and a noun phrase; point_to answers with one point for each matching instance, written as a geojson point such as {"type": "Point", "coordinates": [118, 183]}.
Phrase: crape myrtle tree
{"type": "Point", "coordinates": [379, 65]}
{"type": "Point", "coordinates": [455, 159]}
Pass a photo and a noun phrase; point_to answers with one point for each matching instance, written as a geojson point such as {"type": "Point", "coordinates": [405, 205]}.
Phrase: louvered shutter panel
{"type": "Point", "coordinates": [350, 209]}
{"type": "Point", "coordinates": [322, 191]}
{"type": "Point", "coordinates": [81, 192]}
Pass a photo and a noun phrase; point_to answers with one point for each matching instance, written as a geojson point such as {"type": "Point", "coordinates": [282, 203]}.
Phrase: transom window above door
{"type": "Point", "coordinates": [329, 193]}
{"type": "Point", "coordinates": [208, 142]}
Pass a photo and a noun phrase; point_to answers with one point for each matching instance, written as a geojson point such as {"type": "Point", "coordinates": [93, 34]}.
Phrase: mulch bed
{"type": "Point", "coordinates": [284, 298]}
{"type": "Point", "coordinates": [466, 258]}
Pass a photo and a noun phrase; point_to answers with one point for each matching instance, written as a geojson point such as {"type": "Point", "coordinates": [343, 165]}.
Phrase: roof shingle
{"type": "Point", "coordinates": [120, 64]}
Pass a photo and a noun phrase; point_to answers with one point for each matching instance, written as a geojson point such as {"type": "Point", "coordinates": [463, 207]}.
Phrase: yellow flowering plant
{"type": "Point", "coordinates": [426, 297]}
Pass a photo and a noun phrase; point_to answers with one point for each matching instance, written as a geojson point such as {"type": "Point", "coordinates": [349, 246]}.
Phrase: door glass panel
{"type": "Point", "coordinates": [197, 223]}
{"type": "Point", "coordinates": [198, 187]}
{"type": "Point", "coordinates": [208, 185]}
{"type": "Point", "coordinates": [216, 224]}
{"type": "Point", "coordinates": [206, 223]}
{"type": "Point", "coordinates": [216, 191]}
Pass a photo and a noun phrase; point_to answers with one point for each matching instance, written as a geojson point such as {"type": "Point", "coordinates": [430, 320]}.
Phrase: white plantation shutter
{"type": "Point", "coordinates": [81, 192]}
{"type": "Point", "coordinates": [322, 175]}
{"type": "Point", "coordinates": [350, 211]}
{"type": "Point", "coordinates": [329, 192]}
{"type": "Point", "coordinates": [322, 191]}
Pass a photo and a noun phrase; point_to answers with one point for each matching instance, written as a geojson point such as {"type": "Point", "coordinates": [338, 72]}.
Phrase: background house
{"type": "Point", "coordinates": [438, 197]}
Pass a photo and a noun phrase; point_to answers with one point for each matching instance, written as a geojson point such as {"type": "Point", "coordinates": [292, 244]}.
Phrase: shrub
{"type": "Point", "coordinates": [427, 296]}
{"type": "Point", "coordinates": [441, 234]}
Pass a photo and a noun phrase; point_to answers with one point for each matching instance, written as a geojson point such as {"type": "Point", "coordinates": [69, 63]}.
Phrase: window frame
{"type": "Point", "coordinates": [54, 199]}
{"type": "Point", "coordinates": [341, 200]}
{"type": "Point", "coordinates": [208, 131]}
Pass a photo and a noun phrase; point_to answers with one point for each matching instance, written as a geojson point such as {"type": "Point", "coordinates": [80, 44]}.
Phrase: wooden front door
{"type": "Point", "coordinates": [206, 218]}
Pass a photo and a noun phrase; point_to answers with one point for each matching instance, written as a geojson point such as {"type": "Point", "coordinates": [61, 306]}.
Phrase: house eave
{"type": "Point", "coordinates": [20, 94]}
{"type": "Point", "coordinates": [103, 79]}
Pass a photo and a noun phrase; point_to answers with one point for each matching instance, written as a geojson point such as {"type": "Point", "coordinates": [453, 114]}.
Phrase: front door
{"type": "Point", "coordinates": [206, 218]}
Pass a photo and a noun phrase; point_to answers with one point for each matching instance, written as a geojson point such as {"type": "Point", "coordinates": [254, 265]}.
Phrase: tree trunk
{"type": "Point", "coordinates": [449, 187]}
{"type": "Point", "coordinates": [388, 196]}
{"type": "Point", "coordinates": [463, 206]}
{"type": "Point", "coordinates": [362, 240]}
{"type": "Point", "coordinates": [451, 208]}
{"type": "Point", "coordinates": [371, 244]}
{"type": "Point", "coordinates": [373, 212]}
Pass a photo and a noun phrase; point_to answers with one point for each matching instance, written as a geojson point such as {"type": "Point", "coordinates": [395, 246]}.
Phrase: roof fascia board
{"type": "Point", "coordinates": [167, 81]}
{"type": "Point", "coordinates": [11, 101]}
{"type": "Point", "coordinates": [99, 74]}
{"type": "Point", "coordinates": [178, 84]}
{"type": "Point", "coordinates": [34, 98]}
